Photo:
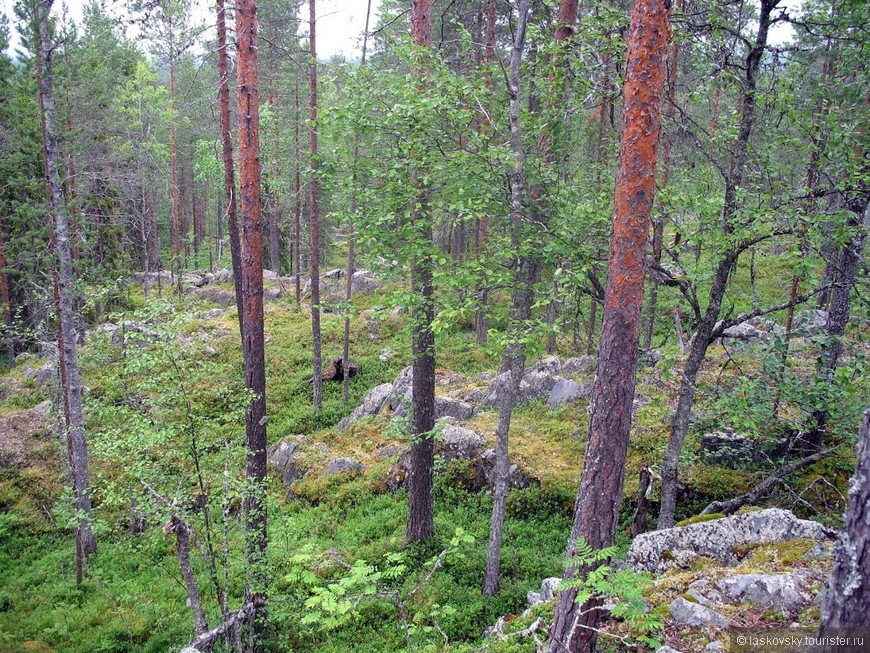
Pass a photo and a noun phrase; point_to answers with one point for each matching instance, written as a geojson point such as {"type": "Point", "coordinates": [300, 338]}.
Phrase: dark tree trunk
{"type": "Point", "coordinates": [522, 298]}
{"type": "Point", "coordinates": [345, 386]}
{"type": "Point", "coordinates": [173, 165]}
{"type": "Point", "coordinates": [252, 295]}
{"type": "Point", "coordinates": [838, 316]}
{"type": "Point", "coordinates": [641, 506]}
{"type": "Point", "coordinates": [847, 601]}
{"type": "Point", "coordinates": [421, 509]}
{"type": "Point", "coordinates": [726, 265]}
{"type": "Point", "coordinates": [182, 541]}
{"type": "Point", "coordinates": [275, 233]}
{"type": "Point", "coordinates": [197, 222]}
{"type": "Point", "coordinates": [599, 496]}
{"type": "Point", "coordinates": [8, 338]}
{"type": "Point", "coordinates": [313, 207]}
{"type": "Point", "coordinates": [229, 169]}
{"type": "Point", "coordinates": [71, 385]}
{"type": "Point", "coordinates": [152, 233]}
{"type": "Point", "coordinates": [297, 203]}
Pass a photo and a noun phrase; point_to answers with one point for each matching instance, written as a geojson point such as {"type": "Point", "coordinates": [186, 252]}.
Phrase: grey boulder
{"type": "Point", "coordinates": [547, 593]}
{"type": "Point", "coordinates": [282, 456]}
{"type": "Point", "coordinates": [344, 466]}
{"type": "Point", "coordinates": [695, 614]}
{"type": "Point", "coordinates": [566, 390]}
{"type": "Point", "coordinates": [579, 365]}
{"type": "Point", "coordinates": [372, 404]}
{"type": "Point", "coordinates": [782, 591]}
{"type": "Point", "coordinates": [716, 538]}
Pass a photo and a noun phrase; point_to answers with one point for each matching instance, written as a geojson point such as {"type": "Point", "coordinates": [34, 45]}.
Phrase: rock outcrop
{"type": "Point", "coordinates": [660, 550]}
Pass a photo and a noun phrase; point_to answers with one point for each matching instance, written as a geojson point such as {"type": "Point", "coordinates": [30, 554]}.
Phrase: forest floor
{"type": "Point", "coordinates": [133, 598]}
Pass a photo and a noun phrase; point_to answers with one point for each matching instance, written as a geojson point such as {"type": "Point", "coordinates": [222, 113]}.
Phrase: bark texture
{"type": "Point", "coordinates": [850, 260]}
{"type": "Point", "coordinates": [252, 295]}
{"type": "Point", "coordinates": [481, 326]}
{"type": "Point", "coordinates": [345, 355]}
{"type": "Point", "coordinates": [229, 168]}
{"type": "Point", "coordinates": [523, 294]}
{"type": "Point", "coordinates": [71, 386]}
{"type": "Point", "coordinates": [421, 500]}
{"type": "Point", "coordinates": [8, 338]}
{"type": "Point", "coordinates": [313, 207]}
{"type": "Point", "coordinates": [596, 510]}
{"type": "Point", "coordinates": [847, 601]}
{"type": "Point", "coordinates": [659, 221]}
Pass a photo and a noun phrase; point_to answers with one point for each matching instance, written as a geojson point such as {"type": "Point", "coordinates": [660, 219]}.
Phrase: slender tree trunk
{"type": "Point", "coordinates": [421, 509]}
{"type": "Point", "coordinates": [726, 265]}
{"type": "Point", "coordinates": [229, 169]}
{"type": "Point", "coordinates": [73, 197]}
{"type": "Point", "coordinates": [599, 496]}
{"type": "Point", "coordinates": [345, 355]}
{"type": "Point", "coordinates": [297, 207]}
{"type": "Point", "coordinates": [481, 328]}
{"type": "Point", "coordinates": [275, 232]}
{"type": "Point", "coordinates": [173, 164]}
{"type": "Point", "coordinates": [850, 259]}
{"type": "Point", "coordinates": [313, 208]}
{"type": "Point", "coordinates": [252, 293]}
{"type": "Point", "coordinates": [812, 178]}
{"type": "Point", "coordinates": [67, 353]}
{"type": "Point", "coordinates": [182, 541]}
{"type": "Point", "coordinates": [523, 295]}
{"type": "Point", "coordinates": [847, 601]}
{"type": "Point", "coordinates": [8, 338]}
{"type": "Point", "coordinates": [659, 221]}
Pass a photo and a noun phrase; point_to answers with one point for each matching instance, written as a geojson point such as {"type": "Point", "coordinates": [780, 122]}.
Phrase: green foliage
{"type": "Point", "coordinates": [599, 582]}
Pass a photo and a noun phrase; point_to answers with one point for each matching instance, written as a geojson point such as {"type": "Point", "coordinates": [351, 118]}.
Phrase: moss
{"type": "Point", "coordinates": [698, 519]}
{"type": "Point", "coordinates": [774, 556]}
{"type": "Point", "coordinates": [745, 510]}
{"type": "Point", "coordinates": [690, 598]}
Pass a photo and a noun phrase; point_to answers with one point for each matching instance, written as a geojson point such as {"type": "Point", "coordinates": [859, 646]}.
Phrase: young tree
{"type": "Point", "coordinates": [704, 334]}
{"type": "Point", "coordinates": [247, 75]}
{"type": "Point", "coordinates": [421, 500]}
{"type": "Point", "coordinates": [525, 272]}
{"type": "Point", "coordinates": [599, 496]}
{"type": "Point", "coordinates": [70, 377]}
{"type": "Point", "coordinates": [229, 168]}
{"type": "Point", "coordinates": [313, 208]}
{"type": "Point", "coordinates": [345, 356]}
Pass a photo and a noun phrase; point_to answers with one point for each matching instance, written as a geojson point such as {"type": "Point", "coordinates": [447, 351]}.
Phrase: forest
{"type": "Point", "coordinates": [506, 326]}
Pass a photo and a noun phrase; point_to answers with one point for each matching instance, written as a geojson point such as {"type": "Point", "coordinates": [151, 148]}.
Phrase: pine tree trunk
{"type": "Point", "coordinates": [67, 352]}
{"type": "Point", "coordinates": [229, 168]}
{"type": "Point", "coordinates": [8, 338]}
{"type": "Point", "coordinates": [297, 203]}
{"type": "Point", "coordinates": [421, 508]}
{"type": "Point", "coordinates": [313, 218]}
{"type": "Point", "coordinates": [252, 295]}
{"type": "Point", "coordinates": [173, 165]}
{"type": "Point", "coordinates": [847, 601]}
{"type": "Point", "coordinates": [275, 233]}
{"type": "Point", "coordinates": [726, 265]}
{"type": "Point", "coordinates": [345, 355]}
{"type": "Point", "coordinates": [659, 221]}
{"type": "Point", "coordinates": [599, 496]}
{"type": "Point", "coordinates": [522, 298]}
